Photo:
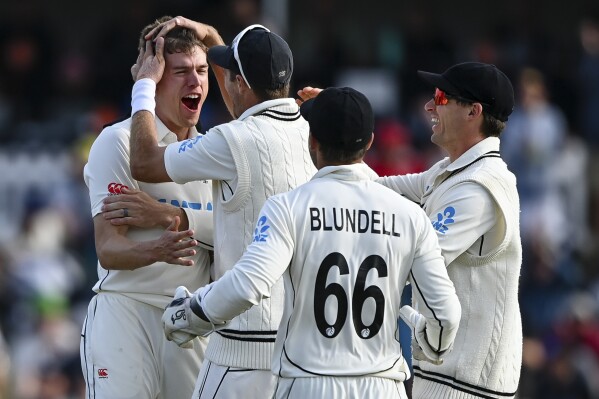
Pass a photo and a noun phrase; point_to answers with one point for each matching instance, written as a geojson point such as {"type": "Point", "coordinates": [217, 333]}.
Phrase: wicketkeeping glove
{"type": "Point", "coordinates": [181, 324]}
{"type": "Point", "coordinates": [421, 349]}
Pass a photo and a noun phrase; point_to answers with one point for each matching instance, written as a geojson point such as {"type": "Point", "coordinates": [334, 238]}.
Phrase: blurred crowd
{"type": "Point", "coordinates": [55, 98]}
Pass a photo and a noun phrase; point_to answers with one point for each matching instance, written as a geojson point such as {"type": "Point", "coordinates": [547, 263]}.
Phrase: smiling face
{"type": "Point", "coordinates": [447, 122]}
{"type": "Point", "coordinates": [456, 125]}
{"type": "Point", "coordinates": [182, 90]}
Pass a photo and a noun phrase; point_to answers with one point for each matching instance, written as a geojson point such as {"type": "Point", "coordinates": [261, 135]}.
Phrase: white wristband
{"type": "Point", "coordinates": [142, 96]}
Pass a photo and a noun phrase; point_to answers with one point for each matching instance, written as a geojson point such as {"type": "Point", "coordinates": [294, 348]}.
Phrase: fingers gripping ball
{"type": "Point", "coordinates": [421, 349]}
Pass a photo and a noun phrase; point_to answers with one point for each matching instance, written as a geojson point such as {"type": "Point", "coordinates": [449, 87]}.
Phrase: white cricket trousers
{"type": "Point", "coordinates": [340, 388]}
{"type": "Point", "coordinates": [124, 353]}
{"type": "Point", "coordinates": [223, 382]}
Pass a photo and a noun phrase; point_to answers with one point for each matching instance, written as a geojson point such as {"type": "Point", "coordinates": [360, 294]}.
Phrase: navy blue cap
{"type": "Point", "coordinates": [262, 57]}
{"type": "Point", "coordinates": [340, 117]}
{"type": "Point", "coordinates": [477, 82]}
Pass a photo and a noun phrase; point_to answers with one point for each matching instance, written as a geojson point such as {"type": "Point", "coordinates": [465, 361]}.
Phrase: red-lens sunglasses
{"type": "Point", "coordinates": [440, 97]}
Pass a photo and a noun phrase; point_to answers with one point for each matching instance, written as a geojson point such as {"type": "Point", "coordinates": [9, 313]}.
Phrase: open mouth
{"type": "Point", "coordinates": [191, 101]}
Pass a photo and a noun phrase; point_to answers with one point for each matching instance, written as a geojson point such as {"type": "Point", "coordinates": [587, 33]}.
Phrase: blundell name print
{"type": "Point", "coordinates": [353, 221]}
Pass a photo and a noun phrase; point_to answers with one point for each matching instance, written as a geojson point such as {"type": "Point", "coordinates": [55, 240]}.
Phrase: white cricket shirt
{"type": "Point", "coordinates": [107, 167]}
{"type": "Point", "coordinates": [345, 246]}
{"type": "Point", "coordinates": [474, 207]}
{"type": "Point", "coordinates": [263, 153]}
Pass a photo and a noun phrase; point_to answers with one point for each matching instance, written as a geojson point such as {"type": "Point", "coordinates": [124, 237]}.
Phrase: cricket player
{"type": "Point", "coordinates": [124, 353]}
{"type": "Point", "coordinates": [473, 204]}
{"type": "Point", "coordinates": [345, 246]}
{"type": "Point", "coordinates": [262, 152]}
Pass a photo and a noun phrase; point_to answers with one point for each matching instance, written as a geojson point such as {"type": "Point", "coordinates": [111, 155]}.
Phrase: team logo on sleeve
{"type": "Point", "coordinates": [189, 143]}
{"type": "Point", "coordinates": [260, 232]}
{"type": "Point", "coordinates": [116, 188]}
{"type": "Point", "coordinates": [444, 219]}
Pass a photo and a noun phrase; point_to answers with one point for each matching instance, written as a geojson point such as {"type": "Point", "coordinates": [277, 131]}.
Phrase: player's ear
{"type": "Point", "coordinates": [370, 142]}
{"type": "Point", "coordinates": [476, 109]}
{"type": "Point", "coordinates": [241, 82]}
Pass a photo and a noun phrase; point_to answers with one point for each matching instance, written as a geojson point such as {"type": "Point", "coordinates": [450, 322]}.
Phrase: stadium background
{"type": "Point", "coordinates": [64, 73]}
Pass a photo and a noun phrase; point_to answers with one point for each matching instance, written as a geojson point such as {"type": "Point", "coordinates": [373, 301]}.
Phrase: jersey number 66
{"type": "Point", "coordinates": [360, 294]}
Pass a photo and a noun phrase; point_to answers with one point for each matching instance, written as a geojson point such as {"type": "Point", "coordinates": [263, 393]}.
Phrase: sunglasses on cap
{"type": "Point", "coordinates": [235, 45]}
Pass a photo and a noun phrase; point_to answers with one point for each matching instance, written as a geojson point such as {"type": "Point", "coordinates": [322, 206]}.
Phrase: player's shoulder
{"type": "Point", "coordinates": [495, 168]}
{"type": "Point", "coordinates": [293, 197]}
{"type": "Point", "coordinates": [489, 174]}
{"type": "Point", "coordinates": [116, 130]}
{"type": "Point", "coordinates": [282, 199]}
{"type": "Point", "coordinates": [117, 122]}
{"type": "Point", "coordinates": [389, 195]}
{"type": "Point", "coordinates": [233, 124]}
{"type": "Point", "coordinates": [225, 130]}
{"type": "Point", "coordinates": [112, 136]}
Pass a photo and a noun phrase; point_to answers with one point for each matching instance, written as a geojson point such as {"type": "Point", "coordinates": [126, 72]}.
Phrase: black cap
{"type": "Point", "coordinates": [340, 117]}
{"type": "Point", "coordinates": [263, 58]}
{"type": "Point", "coordinates": [476, 82]}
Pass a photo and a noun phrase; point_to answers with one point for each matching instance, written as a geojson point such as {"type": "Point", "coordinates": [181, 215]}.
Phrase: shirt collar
{"type": "Point", "coordinates": [475, 152]}
{"type": "Point", "coordinates": [163, 134]}
{"type": "Point", "coordinates": [356, 171]}
{"type": "Point", "coordinates": [279, 102]}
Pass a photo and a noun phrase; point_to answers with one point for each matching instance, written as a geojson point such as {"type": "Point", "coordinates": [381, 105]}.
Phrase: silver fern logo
{"type": "Point", "coordinates": [260, 232]}
{"type": "Point", "coordinates": [189, 143]}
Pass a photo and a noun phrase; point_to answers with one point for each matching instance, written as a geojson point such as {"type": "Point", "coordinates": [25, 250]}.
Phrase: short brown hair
{"type": "Point", "coordinates": [272, 94]}
{"type": "Point", "coordinates": [265, 94]}
{"type": "Point", "coordinates": [334, 154]}
{"type": "Point", "coordinates": [491, 126]}
{"type": "Point", "coordinates": [177, 40]}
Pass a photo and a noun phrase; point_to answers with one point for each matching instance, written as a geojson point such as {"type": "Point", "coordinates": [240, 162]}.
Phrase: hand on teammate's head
{"type": "Point", "coordinates": [163, 29]}
{"type": "Point", "coordinates": [307, 93]}
{"type": "Point", "coordinates": [136, 66]}
{"type": "Point", "coordinates": [152, 61]}
{"type": "Point", "coordinates": [201, 30]}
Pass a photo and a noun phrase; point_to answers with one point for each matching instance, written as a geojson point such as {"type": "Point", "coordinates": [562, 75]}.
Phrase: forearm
{"type": "Point", "coordinates": [209, 35]}
{"type": "Point", "coordinates": [435, 295]}
{"type": "Point", "coordinates": [432, 289]}
{"type": "Point", "coordinates": [168, 213]}
{"type": "Point", "coordinates": [231, 295]}
{"type": "Point", "coordinates": [442, 325]}
{"type": "Point", "coordinates": [146, 155]}
{"type": "Point", "coordinates": [250, 281]}
{"type": "Point", "coordinates": [219, 74]}
{"type": "Point", "coordinates": [121, 253]}
{"type": "Point", "coordinates": [212, 38]}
